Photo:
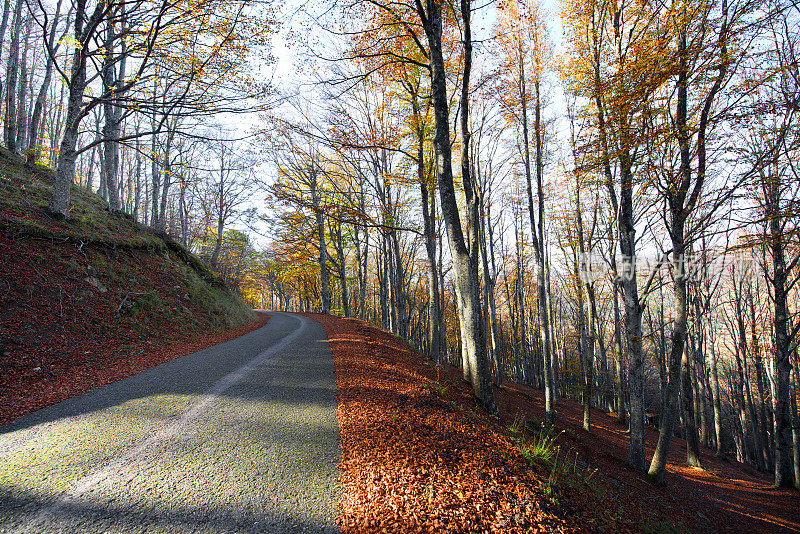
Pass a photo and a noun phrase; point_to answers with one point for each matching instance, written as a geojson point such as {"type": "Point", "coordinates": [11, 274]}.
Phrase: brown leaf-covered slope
{"type": "Point", "coordinates": [417, 458]}
{"type": "Point", "coordinates": [726, 496]}
{"type": "Point", "coordinates": [93, 299]}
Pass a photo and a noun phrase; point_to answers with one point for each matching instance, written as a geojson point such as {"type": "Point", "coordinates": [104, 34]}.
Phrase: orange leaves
{"type": "Point", "coordinates": [414, 460]}
{"type": "Point", "coordinates": [524, 48]}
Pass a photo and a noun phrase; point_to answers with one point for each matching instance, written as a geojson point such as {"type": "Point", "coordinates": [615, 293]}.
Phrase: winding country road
{"type": "Point", "coordinates": [241, 437]}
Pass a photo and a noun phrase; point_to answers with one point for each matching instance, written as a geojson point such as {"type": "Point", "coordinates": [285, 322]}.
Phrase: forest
{"type": "Point", "coordinates": [596, 198]}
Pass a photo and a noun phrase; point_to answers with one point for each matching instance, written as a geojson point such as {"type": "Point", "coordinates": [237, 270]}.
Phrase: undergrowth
{"type": "Point", "coordinates": [538, 445]}
{"type": "Point", "coordinates": [563, 474]}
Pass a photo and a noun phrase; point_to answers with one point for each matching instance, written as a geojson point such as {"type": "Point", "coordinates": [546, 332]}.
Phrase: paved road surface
{"type": "Point", "coordinates": [241, 437]}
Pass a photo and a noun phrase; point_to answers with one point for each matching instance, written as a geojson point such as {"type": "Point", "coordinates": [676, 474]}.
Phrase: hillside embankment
{"type": "Point", "coordinates": [94, 298]}
{"type": "Point", "coordinates": [419, 455]}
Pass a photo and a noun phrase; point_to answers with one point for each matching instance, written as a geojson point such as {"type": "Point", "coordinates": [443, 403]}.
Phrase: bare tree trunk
{"type": "Point", "coordinates": [741, 354]}
{"type": "Point", "coordinates": [489, 291]}
{"type": "Point", "coordinates": [552, 367]}
{"type": "Point", "coordinates": [692, 441]}
{"type": "Point", "coordinates": [363, 265]}
{"type": "Point", "coordinates": [22, 90]}
{"type": "Point", "coordinates": [521, 340]}
{"type": "Point", "coordinates": [65, 167]}
{"type": "Point", "coordinates": [435, 309]}
{"type": "Point", "coordinates": [622, 412]}
{"type": "Point", "coordinates": [33, 135]}
{"type": "Point", "coordinates": [537, 232]}
{"type": "Point", "coordinates": [464, 267]}
{"type": "Point", "coordinates": [342, 267]}
{"type": "Point", "coordinates": [719, 449]}
{"type": "Point", "coordinates": [588, 324]}
{"type": "Point", "coordinates": [758, 362]}
{"type": "Point", "coordinates": [784, 476]}
{"type": "Point", "coordinates": [4, 22]}
{"type": "Point", "coordinates": [155, 178]}
{"type": "Point", "coordinates": [183, 212]}
{"type": "Point", "coordinates": [401, 299]}
{"type": "Point", "coordinates": [138, 191]}
{"type": "Point", "coordinates": [12, 72]}
{"type": "Point", "coordinates": [633, 318]}
{"type": "Point", "coordinates": [319, 218]}
{"type": "Point", "coordinates": [112, 112]}
{"type": "Point", "coordinates": [166, 181]}
{"type": "Point", "coordinates": [795, 420]}
{"type": "Point", "coordinates": [742, 406]}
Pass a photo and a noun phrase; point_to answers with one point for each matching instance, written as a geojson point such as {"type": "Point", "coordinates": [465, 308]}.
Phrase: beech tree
{"type": "Point", "coordinates": [226, 188]}
{"type": "Point", "coordinates": [523, 38]}
{"type": "Point", "coordinates": [613, 49]}
{"type": "Point", "coordinates": [188, 43]}
{"type": "Point", "coordinates": [702, 70]}
{"type": "Point", "coordinates": [771, 145]}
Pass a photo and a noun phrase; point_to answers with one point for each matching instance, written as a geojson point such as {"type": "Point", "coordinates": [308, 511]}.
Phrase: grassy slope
{"type": "Point", "coordinates": [76, 296]}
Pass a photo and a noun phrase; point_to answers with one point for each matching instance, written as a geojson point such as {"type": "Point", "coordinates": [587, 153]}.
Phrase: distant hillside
{"type": "Point", "coordinates": [81, 298]}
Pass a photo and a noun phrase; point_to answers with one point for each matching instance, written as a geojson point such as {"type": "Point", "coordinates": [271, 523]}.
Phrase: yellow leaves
{"type": "Point", "coordinates": [524, 49]}
{"type": "Point", "coordinates": [70, 42]}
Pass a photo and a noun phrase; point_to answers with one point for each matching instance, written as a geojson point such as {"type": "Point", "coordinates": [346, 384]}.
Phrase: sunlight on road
{"type": "Point", "coordinates": [221, 465]}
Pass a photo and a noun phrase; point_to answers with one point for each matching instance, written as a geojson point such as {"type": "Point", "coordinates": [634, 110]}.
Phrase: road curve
{"type": "Point", "coordinates": [241, 437]}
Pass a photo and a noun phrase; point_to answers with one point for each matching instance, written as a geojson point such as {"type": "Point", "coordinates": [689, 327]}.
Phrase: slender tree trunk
{"type": "Point", "coordinates": [12, 73]}
{"type": "Point", "coordinates": [758, 362]}
{"type": "Point", "coordinates": [633, 318]}
{"type": "Point", "coordinates": [166, 180]}
{"type": "Point", "coordinates": [401, 299]}
{"type": "Point", "coordinates": [692, 441]}
{"type": "Point", "coordinates": [364, 265]}
{"type": "Point", "coordinates": [435, 309]}
{"type": "Point", "coordinates": [589, 326]}
{"type": "Point", "coordinates": [719, 449]}
{"type": "Point", "coordinates": [537, 231]}
{"type": "Point", "coordinates": [34, 151]}
{"type": "Point", "coordinates": [784, 476]}
{"type": "Point", "coordinates": [795, 420]}
{"type": "Point", "coordinates": [342, 265]}
{"type": "Point", "coordinates": [155, 189]}
{"type": "Point", "coordinates": [138, 191]}
{"type": "Point", "coordinates": [67, 154]}
{"type": "Point", "coordinates": [319, 217]}
{"type": "Point", "coordinates": [622, 412]}
{"type": "Point", "coordinates": [23, 89]}
{"type": "Point", "coordinates": [465, 270]}
{"type": "Point", "coordinates": [742, 406]}
{"type": "Point", "coordinates": [489, 292]}
{"type": "Point", "coordinates": [4, 23]}
{"type": "Point", "coordinates": [759, 445]}
{"type": "Point", "coordinates": [112, 114]}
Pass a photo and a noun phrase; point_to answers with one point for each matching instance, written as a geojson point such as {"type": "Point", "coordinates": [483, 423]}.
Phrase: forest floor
{"type": "Point", "coordinates": [77, 372]}
{"type": "Point", "coordinates": [725, 496]}
{"type": "Point", "coordinates": [418, 455]}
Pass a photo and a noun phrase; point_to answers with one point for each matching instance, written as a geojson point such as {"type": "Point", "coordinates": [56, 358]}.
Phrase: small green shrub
{"type": "Point", "coordinates": [438, 387]}
{"type": "Point", "coordinates": [518, 425]}
{"type": "Point", "coordinates": [541, 449]}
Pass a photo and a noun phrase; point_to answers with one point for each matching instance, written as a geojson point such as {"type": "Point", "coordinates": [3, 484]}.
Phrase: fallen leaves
{"type": "Point", "coordinates": [60, 336]}
{"type": "Point", "coordinates": [417, 460]}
